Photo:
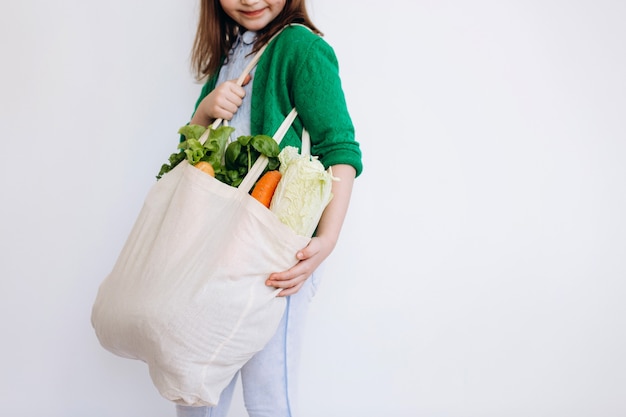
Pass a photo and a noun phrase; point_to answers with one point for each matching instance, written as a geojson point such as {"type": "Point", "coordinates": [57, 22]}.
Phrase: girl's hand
{"type": "Point", "coordinates": [310, 258]}
{"type": "Point", "coordinates": [221, 103]}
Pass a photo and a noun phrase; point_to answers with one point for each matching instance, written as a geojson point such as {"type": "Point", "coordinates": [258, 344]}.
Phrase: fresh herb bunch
{"type": "Point", "coordinates": [231, 161]}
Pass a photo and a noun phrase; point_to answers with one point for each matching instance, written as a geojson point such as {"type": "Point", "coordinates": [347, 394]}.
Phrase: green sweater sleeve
{"type": "Point", "coordinates": [299, 69]}
{"type": "Point", "coordinates": [320, 101]}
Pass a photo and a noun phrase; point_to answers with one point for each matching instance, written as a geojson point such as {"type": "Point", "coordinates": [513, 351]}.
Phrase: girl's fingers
{"type": "Point", "coordinates": [235, 89]}
{"type": "Point", "coordinates": [279, 282]}
{"type": "Point", "coordinates": [226, 107]}
{"type": "Point", "coordinates": [288, 287]}
{"type": "Point", "coordinates": [293, 279]}
{"type": "Point", "coordinates": [290, 291]}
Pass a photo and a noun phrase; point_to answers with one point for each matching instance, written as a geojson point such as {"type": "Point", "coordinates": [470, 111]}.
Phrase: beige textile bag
{"type": "Point", "coordinates": [187, 294]}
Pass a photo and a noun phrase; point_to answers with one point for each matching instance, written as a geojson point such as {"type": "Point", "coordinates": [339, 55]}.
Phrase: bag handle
{"type": "Point", "coordinates": [255, 60]}
{"type": "Point", "coordinates": [259, 165]}
{"type": "Point", "coordinates": [254, 173]}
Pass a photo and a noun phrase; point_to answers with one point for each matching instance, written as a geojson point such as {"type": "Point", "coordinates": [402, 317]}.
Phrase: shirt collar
{"type": "Point", "coordinates": [248, 37]}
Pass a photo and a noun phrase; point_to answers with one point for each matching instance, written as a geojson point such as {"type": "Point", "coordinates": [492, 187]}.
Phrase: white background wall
{"type": "Point", "coordinates": [481, 271]}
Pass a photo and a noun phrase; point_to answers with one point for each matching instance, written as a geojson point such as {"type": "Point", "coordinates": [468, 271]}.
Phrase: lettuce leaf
{"type": "Point", "coordinates": [231, 161]}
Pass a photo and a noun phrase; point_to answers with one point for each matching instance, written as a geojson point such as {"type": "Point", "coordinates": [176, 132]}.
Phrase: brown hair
{"type": "Point", "coordinates": [216, 32]}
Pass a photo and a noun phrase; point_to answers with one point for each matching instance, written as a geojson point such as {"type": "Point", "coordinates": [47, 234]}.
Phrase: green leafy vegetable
{"type": "Point", "coordinates": [231, 161]}
{"type": "Point", "coordinates": [192, 131]}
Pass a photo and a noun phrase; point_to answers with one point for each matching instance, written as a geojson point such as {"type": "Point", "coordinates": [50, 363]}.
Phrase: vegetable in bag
{"type": "Point", "coordinates": [230, 161]}
{"type": "Point", "coordinates": [303, 192]}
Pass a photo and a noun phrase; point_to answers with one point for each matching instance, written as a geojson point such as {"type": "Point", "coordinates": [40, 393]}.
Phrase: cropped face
{"type": "Point", "coordinates": [253, 14]}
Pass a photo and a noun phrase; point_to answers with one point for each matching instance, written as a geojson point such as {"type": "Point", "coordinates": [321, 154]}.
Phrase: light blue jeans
{"type": "Point", "coordinates": [268, 379]}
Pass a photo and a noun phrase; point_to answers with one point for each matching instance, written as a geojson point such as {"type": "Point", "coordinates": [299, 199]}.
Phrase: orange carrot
{"type": "Point", "coordinates": [206, 167]}
{"type": "Point", "coordinates": [265, 187]}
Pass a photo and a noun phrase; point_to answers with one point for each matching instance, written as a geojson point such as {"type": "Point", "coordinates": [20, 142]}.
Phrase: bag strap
{"type": "Point", "coordinates": [254, 173]}
{"type": "Point", "coordinates": [255, 60]}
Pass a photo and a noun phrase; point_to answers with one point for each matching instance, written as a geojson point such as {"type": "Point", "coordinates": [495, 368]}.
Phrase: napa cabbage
{"type": "Point", "coordinates": [303, 192]}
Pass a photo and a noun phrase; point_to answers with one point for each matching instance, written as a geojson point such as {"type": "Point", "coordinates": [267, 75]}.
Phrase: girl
{"type": "Point", "coordinates": [298, 69]}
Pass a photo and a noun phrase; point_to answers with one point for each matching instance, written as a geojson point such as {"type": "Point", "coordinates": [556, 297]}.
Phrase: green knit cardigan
{"type": "Point", "coordinates": [300, 69]}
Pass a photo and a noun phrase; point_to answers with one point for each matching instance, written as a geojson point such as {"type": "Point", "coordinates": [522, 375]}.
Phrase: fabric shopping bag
{"type": "Point", "coordinates": [187, 294]}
